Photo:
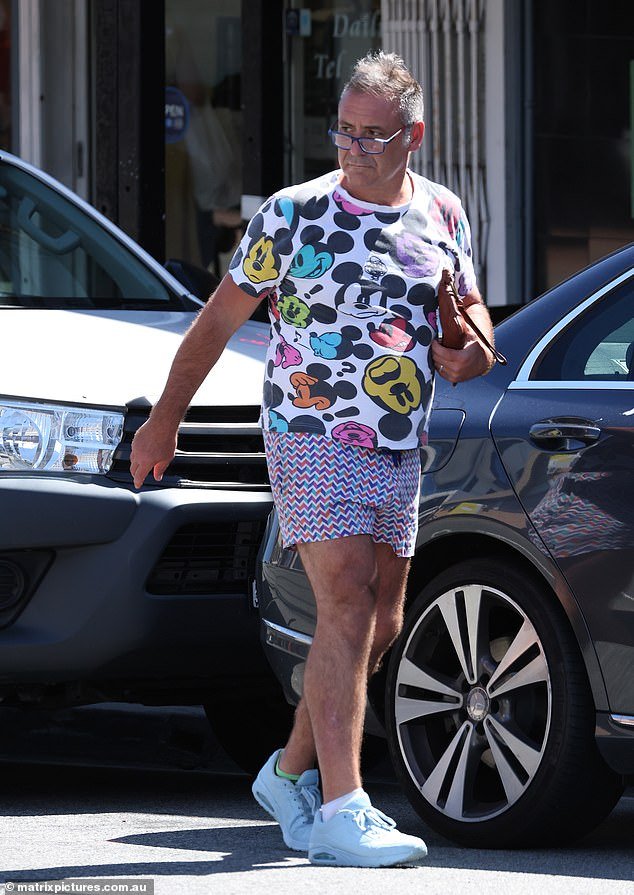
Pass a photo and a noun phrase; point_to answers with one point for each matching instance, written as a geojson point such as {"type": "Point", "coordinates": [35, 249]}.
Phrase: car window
{"type": "Point", "coordinates": [596, 346]}
{"type": "Point", "coordinates": [53, 254]}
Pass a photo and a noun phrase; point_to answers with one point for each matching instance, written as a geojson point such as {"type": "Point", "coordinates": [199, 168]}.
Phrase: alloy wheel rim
{"type": "Point", "coordinates": [473, 703]}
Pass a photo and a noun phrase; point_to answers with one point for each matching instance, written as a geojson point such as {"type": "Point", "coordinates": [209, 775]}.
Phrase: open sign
{"type": "Point", "coordinates": [176, 114]}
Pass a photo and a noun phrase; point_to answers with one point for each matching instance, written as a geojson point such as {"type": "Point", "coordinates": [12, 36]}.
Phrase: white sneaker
{"type": "Point", "coordinates": [292, 805]}
{"type": "Point", "coordinates": [361, 836]}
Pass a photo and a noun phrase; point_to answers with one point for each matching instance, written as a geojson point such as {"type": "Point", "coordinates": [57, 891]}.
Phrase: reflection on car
{"type": "Point", "coordinates": [508, 699]}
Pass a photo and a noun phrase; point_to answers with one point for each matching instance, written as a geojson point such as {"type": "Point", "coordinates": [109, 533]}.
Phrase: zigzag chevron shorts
{"type": "Point", "coordinates": [324, 488]}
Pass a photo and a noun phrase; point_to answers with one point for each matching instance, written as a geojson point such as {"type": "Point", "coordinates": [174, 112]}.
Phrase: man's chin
{"type": "Point", "coordinates": [358, 174]}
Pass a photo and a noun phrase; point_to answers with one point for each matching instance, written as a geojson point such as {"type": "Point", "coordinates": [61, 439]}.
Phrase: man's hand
{"type": "Point", "coordinates": [462, 364]}
{"type": "Point", "coordinates": [154, 444]}
{"type": "Point", "coordinates": [153, 448]}
{"type": "Point", "coordinates": [474, 359]}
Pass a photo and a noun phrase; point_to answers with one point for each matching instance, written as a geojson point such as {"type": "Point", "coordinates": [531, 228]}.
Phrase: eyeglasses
{"type": "Point", "coordinates": [369, 145]}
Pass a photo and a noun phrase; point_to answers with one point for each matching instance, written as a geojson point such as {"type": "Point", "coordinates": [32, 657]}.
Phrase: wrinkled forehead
{"type": "Point", "coordinates": [368, 110]}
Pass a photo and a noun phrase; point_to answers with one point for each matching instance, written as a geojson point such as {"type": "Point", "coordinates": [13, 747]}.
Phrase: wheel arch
{"type": "Point", "coordinates": [443, 549]}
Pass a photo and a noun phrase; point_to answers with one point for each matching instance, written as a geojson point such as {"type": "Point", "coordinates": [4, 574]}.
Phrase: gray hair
{"type": "Point", "coordinates": [386, 75]}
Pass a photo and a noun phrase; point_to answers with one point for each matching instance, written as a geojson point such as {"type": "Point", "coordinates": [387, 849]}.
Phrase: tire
{"type": "Point", "coordinates": [374, 754]}
{"type": "Point", "coordinates": [250, 723]}
{"type": "Point", "coordinates": [489, 714]}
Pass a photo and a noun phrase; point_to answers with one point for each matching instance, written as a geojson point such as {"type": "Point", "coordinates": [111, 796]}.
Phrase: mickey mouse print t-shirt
{"type": "Point", "coordinates": [352, 294]}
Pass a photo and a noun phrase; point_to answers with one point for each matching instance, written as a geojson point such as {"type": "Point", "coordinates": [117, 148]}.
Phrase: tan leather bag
{"type": "Point", "coordinates": [454, 320]}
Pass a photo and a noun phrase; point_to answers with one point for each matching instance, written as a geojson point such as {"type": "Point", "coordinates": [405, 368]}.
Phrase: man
{"type": "Point", "coordinates": [350, 264]}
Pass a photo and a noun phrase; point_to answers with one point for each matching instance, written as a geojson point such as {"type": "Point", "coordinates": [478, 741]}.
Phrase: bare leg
{"type": "Point", "coordinates": [390, 602]}
{"type": "Point", "coordinates": [360, 592]}
{"type": "Point", "coordinates": [299, 753]}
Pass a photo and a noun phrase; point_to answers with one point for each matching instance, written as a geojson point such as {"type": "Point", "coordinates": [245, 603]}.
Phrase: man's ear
{"type": "Point", "coordinates": [417, 133]}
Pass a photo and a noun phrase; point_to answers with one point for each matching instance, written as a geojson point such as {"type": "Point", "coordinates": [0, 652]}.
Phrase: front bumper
{"type": "Point", "coordinates": [91, 616]}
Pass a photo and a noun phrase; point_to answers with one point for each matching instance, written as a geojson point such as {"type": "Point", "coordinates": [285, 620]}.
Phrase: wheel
{"type": "Point", "coordinates": [489, 715]}
{"type": "Point", "coordinates": [250, 723]}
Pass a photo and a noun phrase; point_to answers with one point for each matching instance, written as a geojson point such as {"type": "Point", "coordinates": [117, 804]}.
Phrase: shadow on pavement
{"type": "Point", "coordinates": [257, 845]}
{"type": "Point", "coordinates": [167, 763]}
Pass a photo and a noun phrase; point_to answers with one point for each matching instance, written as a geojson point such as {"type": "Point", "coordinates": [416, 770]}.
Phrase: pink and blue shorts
{"type": "Point", "coordinates": [324, 488]}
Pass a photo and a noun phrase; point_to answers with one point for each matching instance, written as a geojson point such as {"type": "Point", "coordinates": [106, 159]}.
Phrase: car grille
{"type": "Point", "coordinates": [218, 447]}
{"type": "Point", "coordinates": [206, 557]}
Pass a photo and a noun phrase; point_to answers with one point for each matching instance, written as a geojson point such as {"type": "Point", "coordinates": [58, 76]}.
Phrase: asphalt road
{"type": "Point", "coordinates": [199, 831]}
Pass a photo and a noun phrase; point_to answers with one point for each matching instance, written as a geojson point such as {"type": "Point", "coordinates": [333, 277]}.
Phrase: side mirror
{"type": "Point", "coordinates": [197, 280]}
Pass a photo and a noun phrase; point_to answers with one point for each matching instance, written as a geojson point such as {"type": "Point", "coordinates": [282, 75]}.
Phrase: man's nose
{"type": "Point", "coordinates": [356, 148]}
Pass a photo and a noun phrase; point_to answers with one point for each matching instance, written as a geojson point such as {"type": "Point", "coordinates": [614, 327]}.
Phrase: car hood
{"type": "Point", "coordinates": [115, 358]}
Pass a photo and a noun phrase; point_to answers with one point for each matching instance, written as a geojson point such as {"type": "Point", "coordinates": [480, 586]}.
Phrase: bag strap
{"type": "Point", "coordinates": [496, 354]}
{"type": "Point", "coordinates": [459, 303]}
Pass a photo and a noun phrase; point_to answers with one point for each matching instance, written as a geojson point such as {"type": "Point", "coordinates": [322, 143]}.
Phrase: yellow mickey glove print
{"type": "Point", "coordinates": [259, 264]}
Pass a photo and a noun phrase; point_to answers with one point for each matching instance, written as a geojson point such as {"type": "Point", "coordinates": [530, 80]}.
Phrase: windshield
{"type": "Point", "coordinates": [54, 255]}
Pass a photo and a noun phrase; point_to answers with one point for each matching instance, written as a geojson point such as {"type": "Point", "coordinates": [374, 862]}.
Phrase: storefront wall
{"type": "Point", "coordinates": [45, 86]}
{"type": "Point", "coordinates": [249, 91]}
{"type": "Point", "coordinates": [321, 40]}
{"type": "Point", "coordinates": [583, 72]}
{"type": "Point", "coordinates": [205, 139]}
{"type": "Point", "coordinates": [6, 98]}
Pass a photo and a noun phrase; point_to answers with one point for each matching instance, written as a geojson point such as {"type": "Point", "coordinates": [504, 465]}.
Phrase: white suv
{"type": "Point", "coordinates": [107, 593]}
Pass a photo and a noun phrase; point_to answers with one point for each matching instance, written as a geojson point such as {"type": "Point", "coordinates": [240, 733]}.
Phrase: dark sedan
{"type": "Point", "coordinates": [508, 700]}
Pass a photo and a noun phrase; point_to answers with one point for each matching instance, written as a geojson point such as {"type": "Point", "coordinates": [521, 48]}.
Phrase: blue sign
{"type": "Point", "coordinates": [176, 115]}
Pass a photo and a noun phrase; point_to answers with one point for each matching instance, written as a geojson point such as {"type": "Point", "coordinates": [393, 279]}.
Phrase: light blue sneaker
{"type": "Point", "coordinates": [292, 805]}
{"type": "Point", "coordinates": [361, 836]}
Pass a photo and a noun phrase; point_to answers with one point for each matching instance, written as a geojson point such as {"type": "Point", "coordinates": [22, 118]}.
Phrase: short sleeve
{"type": "Point", "coordinates": [264, 255]}
{"type": "Point", "coordinates": [466, 277]}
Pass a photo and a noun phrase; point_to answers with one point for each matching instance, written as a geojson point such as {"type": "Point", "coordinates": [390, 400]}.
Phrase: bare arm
{"type": "Point", "coordinates": [154, 444]}
{"type": "Point", "coordinates": [475, 359]}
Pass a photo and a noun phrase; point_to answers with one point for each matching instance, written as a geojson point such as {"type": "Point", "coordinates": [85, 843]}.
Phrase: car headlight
{"type": "Point", "coordinates": [38, 437]}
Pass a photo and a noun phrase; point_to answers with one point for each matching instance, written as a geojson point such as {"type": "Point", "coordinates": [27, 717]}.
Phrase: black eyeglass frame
{"type": "Point", "coordinates": [333, 134]}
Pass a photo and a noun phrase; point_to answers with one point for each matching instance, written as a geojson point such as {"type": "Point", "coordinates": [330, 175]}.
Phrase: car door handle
{"type": "Point", "coordinates": [558, 434]}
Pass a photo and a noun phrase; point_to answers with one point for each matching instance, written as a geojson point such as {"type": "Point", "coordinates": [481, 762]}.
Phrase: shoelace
{"type": "Point", "coordinates": [309, 800]}
{"type": "Point", "coordinates": [372, 817]}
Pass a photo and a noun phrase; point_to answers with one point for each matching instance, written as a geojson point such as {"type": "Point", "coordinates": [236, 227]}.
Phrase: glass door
{"type": "Point", "coordinates": [203, 131]}
{"type": "Point", "coordinates": [324, 38]}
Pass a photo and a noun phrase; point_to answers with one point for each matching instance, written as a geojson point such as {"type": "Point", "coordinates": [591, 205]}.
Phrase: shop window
{"type": "Point", "coordinates": [203, 158]}
{"type": "Point", "coordinates": [583, 68]}
{"type": "Point", "coordinates": [323, 41]}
